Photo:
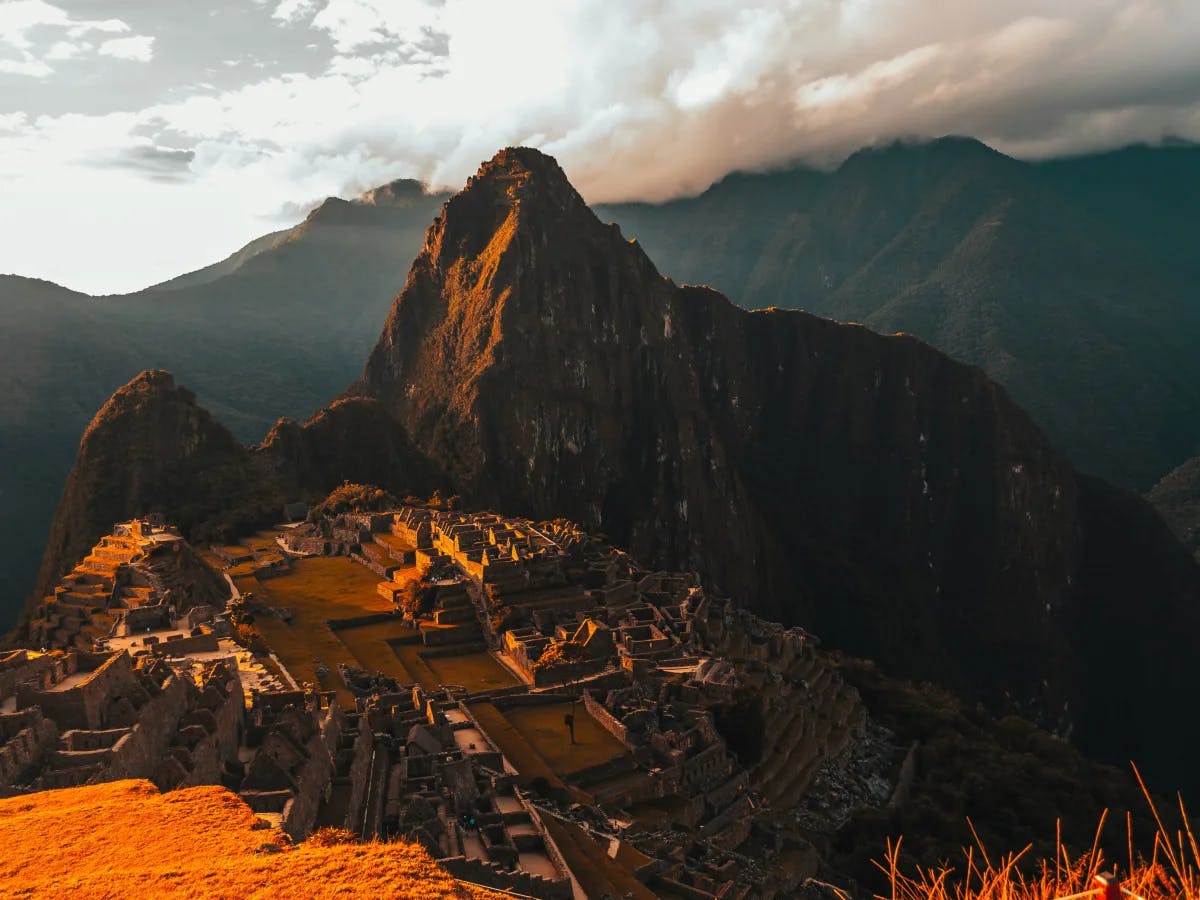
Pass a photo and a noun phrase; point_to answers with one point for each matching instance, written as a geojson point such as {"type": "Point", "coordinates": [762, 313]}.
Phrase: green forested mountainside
{"type": "Point", "coordinates": [1071, 282]}
{"type": "Point", "coordinates": [278, 329]}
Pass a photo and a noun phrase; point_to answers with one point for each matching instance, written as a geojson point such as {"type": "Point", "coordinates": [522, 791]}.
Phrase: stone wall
{"type": "Point", "coordinates": [138, 754]}
{"type": "Point", "coordinates": [477, 871]}
{"type": "Point", "coordinates": [20, 665]}
{"type": "Point", "coordinates": [315, 776]}
{"type": "Point", "coordinates": [185, 646]}
{"type": "Point", "coordinates": [360, 772]}
{"type": "Point", "coordinates": [27, 737]}
{"type": "Point", "coordinates": [82, 706]}
{"type": "Point", "coordinates": [605, 719]}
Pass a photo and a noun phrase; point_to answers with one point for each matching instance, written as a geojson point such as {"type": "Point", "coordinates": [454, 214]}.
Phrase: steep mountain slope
{"type": "Point", "coordinates": [869, 487]}
{"type": "Point", "coordinates": [1152, 194]}
{"type": "Point", "coordinates": [276, 329]}
{"type": "Point", "coordinates": [1056, 278]}
{"type": "Point", "coordinates": [150, 448]}
{"type": "Point", "coordinates": [1177, 498]}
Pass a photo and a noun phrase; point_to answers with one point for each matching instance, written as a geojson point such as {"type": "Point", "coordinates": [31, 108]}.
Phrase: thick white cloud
{"type": "Point", "coordinates": [139, 48]}
{"type": "Point", "coordinates": [636, 99]}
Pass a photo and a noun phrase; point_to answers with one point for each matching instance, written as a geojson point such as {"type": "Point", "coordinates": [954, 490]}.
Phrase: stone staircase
{"type": "Point", "coordinates": [83, 603]}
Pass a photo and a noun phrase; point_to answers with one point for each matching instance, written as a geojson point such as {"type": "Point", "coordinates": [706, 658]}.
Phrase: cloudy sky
{"type": "Point", "coordinates": [143, 138]}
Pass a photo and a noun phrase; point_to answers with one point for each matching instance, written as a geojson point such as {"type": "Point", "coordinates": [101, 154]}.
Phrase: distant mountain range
{"type": "Point", "coordinates": [276, 329]}
{"type": "Point", "coordinates": [893, 500]}
{"type": "Point", "coordinates": [1071, 282]}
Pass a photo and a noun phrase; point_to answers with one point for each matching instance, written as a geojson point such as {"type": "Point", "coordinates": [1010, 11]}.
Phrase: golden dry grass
{"type": "Point", "coordinates": [126, 839]}
{"type": "Point", "coordinates": [1171, 871]}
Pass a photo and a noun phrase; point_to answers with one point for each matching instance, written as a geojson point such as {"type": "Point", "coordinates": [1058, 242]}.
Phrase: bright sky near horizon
{"type": "Point", "coordinates": [140, 139]}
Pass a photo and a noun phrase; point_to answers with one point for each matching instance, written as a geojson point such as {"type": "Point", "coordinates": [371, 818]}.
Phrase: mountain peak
{"type": "Point", "coordinates": [401, 193]}
{"type": "Point", "coordinates": [948, 148]}
{"type": "Point", "coordinates": [519, 191]}
{"type": "Point", "coordinates": [522, 175]}
{"type": "Point", "coordinates": [150, 447]}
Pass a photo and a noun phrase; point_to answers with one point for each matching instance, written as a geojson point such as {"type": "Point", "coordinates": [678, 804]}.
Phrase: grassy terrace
{"type": "Point", "coordinates": [369, 645]}
{"type": "Point", "coordinates": [393, 542]}
{"type": "Point", "coordinates": [474, 671]}
{"type": "Point", "coordinates": [320, 588]}
{"type": "Point", "coordinates": [528, 762]}
{"type": "Point", "coordinates": [536, 742]}
{"type": "Point", "coordinates": [543, 727]}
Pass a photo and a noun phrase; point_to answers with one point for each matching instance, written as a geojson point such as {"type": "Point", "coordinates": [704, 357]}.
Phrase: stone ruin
{"type": "Point", "coordinates": [448, 787]}
{"type": "Point", "coordinates": [143, 572]}
{"type": "Point", "coordinates": [69, 718]}
{"type": "Point", "coordinates": [727, 720]}
{"type": "Point", "coordinates": [288, 764]}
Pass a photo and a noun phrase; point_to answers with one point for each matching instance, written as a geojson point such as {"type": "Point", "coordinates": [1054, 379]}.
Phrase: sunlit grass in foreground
{"type": "Point", "coordinates": [1170, 872]}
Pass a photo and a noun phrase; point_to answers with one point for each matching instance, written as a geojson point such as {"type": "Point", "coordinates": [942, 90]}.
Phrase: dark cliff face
{"type": "Point", "coordinates": [1071, 282]}
{"type": "Point", "coordinates": [353, 439]}
{"type": "Point", "coordinates": [868, 487]}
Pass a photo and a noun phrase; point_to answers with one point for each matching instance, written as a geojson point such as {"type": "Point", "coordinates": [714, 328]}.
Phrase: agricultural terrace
{"type": "Point", "coordinates": [474, 671]}
{"type": "Point", "coordinates": [374, 648]}
{"type": "Point", "coordinates": [543, 727]}
{"type": "Point", "coordinates": [317, 589]}
{"type": "Point", "coordinates": [536, 742]}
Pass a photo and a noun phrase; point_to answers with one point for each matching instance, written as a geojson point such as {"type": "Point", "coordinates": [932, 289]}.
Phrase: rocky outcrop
{"type": "Point", "coordinates": [353, 439]}
{"type": "Point", "coordinates": [150, 448]}
{"type": "Point", "coordinates": [867, 486]}
{"type": "Point", "coordinates": [1177, 498]}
